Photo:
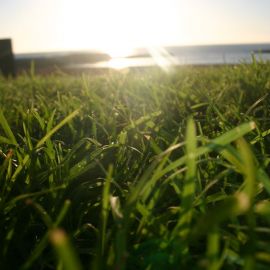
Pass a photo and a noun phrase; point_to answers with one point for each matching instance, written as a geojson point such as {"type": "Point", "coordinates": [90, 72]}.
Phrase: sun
{"type": "Point", "coordinates": [117, 27]}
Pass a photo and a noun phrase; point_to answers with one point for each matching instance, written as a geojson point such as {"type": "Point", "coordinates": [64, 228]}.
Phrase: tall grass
{"type": "Point", "coordinates": [138, 170]}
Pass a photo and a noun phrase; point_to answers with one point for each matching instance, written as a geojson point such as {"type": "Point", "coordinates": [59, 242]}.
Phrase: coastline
{"type": "Point", "coordinates": [94, 62]}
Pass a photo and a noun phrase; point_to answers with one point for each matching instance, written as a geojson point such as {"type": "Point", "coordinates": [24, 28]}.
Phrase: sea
{"type": "Point", "coordinates": [172, 56]}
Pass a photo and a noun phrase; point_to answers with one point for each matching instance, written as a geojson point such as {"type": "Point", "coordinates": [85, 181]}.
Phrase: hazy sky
{"type": "Point", "coordinates": [116, 26]}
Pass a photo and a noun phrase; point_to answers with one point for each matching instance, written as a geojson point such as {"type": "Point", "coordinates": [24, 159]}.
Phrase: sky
{"type": "Point", "coordinates": [118, 26]}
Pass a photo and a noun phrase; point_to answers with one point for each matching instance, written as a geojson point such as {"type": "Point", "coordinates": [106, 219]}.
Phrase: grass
{"type": "Point", "coordinates": [137, 170]}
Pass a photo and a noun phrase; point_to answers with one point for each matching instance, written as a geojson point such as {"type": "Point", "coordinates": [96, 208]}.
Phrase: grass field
{"type": "Point", "coordinates": [138, 170]}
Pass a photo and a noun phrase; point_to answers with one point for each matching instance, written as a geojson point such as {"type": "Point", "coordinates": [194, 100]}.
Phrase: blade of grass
{"type": "Point", "coordinates": [215, 144]}
{"type": "Point", "coordinates": [65, 250]}
{"type": "Point", "coordinates": [105, 209]}
{"type": "Point", "coordinates": [231, 206]}
{"type": "Point", "coordinates": [213, 248]}
{"type": "Point", "coordinates": [7, 129]}
{"type": "Point", "coordinates": [249, 190]}
{"type": "Point", "coordinates": [43, 243]}
{"type": "Point", "coordinates": [57, 127]}
{"type": "Point", "coordinates": [4, 140]}
{"type": "Point", "coordinates": [42, 141]}
{"type": "Point", "coordinates": [183, 226]}
{"type": "Point", "coordinates": [47, 220]}
{"type": "Point", "coordinates": [98, 262]}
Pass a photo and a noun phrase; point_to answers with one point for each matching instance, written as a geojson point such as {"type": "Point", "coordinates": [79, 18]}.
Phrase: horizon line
{"type": "Point", "coordinates": [96, 50]}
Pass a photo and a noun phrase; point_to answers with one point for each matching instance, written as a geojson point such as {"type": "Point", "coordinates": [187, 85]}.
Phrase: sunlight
{"type": "Point", "coordinates": [118, 26]}
{"type": "Point", "coordinates": [118, 63]}
{"type": "Point", "coordinates": [117, 50]}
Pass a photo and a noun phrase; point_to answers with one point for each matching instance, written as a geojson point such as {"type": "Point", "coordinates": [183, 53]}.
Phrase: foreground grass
{"type": "Point", "coordinates": [136, 171]}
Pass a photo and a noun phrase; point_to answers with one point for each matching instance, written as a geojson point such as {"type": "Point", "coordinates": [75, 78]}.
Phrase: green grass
{"type": "Point", "coordinates": [137, 170]}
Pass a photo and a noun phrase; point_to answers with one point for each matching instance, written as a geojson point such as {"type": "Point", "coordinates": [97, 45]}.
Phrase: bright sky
{"type": "Point", "coordinates": [117, 26]}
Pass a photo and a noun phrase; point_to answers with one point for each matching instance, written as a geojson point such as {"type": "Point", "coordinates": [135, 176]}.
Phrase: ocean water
{"type": "Point", "coordinates": [189, 55]}
{"type": "Point", "coordinates": [173, 56]}
{"type": "Point", "coordinates": [221, 54]}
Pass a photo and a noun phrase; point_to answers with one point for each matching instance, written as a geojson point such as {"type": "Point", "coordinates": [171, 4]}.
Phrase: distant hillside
{"type": "Point", "coordinates": [46, 62]}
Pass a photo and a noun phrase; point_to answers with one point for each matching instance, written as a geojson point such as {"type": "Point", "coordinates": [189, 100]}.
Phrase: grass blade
{"type": "Point", "coordinates": [188, 194]}
{"type": "Point", "coordinates": [42, 141]}
{"type": "Point", "coordinates": [64, 250]}
{"type": "Point", "coordinates": [44, 241]}
{"type": "Point", "coordinates": [213, 247]}
{"type": "Point", "coordinates": [249, 189]}
{"type": "Point", "coordinates": [57, 127]}
{"type": "Point", "coordinates": [215, 144]}
{"type": "Point", "coordinates": [7, 129]}
{"type": "Point", "coordinates": [105, 208]}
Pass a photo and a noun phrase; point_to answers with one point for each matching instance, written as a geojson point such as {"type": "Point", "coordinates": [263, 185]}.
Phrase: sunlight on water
{"type": "Point", "coordinates": [121, 63]}
{"type": "Point", "coordinates": [169, 57]}
{"type": "Point", "coordinates": [119, 51]}
{"type": "Point", "coordinates": [118, 63]}
{"type": "Point", "coordinates": [158, 56]}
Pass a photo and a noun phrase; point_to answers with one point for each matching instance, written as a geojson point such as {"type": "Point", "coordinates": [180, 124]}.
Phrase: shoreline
{"type": "Point", "coordinates": [96, 62]}
{"type": "Point", "coordinates": [55, 69]}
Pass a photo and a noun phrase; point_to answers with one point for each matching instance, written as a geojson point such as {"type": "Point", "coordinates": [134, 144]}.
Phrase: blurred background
{"type": "Point", "coordinates": [125, 33]}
